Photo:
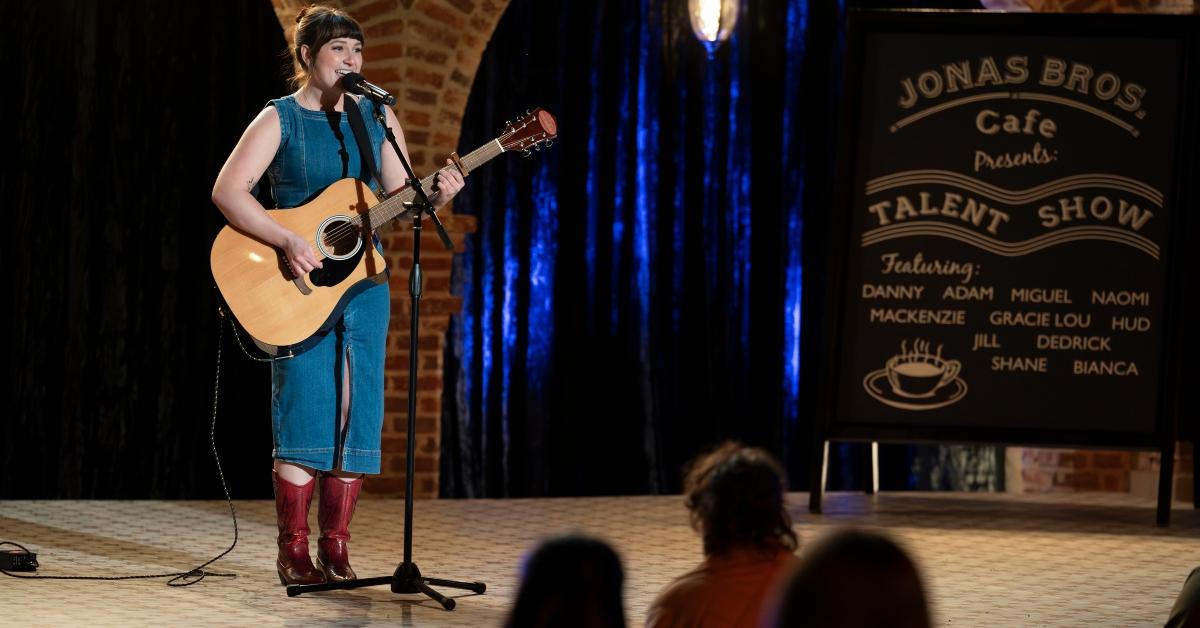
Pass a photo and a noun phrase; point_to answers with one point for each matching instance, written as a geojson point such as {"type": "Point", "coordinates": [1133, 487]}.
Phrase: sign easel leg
{"type": "Point", "coordinates": [1166, 481]}
{"type": "Point", "coordinates": [871, 469]}
{"type": "Point", "coordinates": [820, 464]}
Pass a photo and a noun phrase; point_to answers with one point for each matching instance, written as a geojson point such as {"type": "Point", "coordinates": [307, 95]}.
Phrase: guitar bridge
{"type": "Point", "coordinates": [302, 286]}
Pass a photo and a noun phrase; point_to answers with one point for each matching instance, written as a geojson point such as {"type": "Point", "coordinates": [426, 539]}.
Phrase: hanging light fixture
{"type": "Point", "coordinates": [713, 20]}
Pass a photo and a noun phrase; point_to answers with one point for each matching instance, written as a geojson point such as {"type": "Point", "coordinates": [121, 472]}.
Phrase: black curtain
{"type": "Point", "coordinates": [117, 119]}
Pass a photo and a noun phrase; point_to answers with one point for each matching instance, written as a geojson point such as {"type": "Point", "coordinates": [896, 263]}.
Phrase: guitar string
{"type": "Point", "coordinates": [472, 160]}
{"type": "Point", "coordinates": [352, 227]}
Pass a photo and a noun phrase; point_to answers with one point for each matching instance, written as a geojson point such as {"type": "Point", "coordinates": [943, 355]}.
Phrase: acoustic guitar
{"type": "Point", "coordinates": [282, 312]}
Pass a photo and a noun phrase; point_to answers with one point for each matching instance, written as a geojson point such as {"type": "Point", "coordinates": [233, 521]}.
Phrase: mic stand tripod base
{"type": "Point", "coordinates": [407, 579]}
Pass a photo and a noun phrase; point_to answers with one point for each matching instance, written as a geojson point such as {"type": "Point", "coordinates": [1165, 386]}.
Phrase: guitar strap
{"type": "Point", "coordinates": [360, 135]}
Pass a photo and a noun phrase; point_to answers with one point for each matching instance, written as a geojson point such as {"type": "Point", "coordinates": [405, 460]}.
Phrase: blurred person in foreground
{"type": "Point", "coordinates": [571, 580]}
{"type": "Point", "coordinates": [735, 496]}
{"type": "Point", "coordinates": [1186, 612]}
{"type": "Point", "coordinates": [851, 579]}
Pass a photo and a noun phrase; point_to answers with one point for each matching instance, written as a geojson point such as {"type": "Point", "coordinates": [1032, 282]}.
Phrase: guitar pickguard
{"type": "Point", "coordinates": [333, 271]}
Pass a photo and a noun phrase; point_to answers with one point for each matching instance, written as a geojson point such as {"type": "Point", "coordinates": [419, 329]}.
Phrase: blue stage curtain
{"type": "Point", "coordinates": [651, 284]}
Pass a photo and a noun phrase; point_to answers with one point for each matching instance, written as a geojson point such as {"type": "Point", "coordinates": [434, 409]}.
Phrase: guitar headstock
{"type": "Point", "coordinates": [535, 129]}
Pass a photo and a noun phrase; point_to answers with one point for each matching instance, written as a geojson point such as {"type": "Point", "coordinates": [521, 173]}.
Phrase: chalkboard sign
{"type": "Point", "coordinates": [1009, 226]}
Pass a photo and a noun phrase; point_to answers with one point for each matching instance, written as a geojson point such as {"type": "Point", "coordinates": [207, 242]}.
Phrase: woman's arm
{"type": "Point", "coordinates": [241, 172]}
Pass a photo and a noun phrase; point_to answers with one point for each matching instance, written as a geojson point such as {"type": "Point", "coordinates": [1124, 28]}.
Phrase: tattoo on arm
{"type": "Point", "coordinates": [250, 185]}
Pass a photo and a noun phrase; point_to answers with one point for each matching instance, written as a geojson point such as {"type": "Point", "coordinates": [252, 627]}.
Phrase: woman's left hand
{"type": "Point", "coordinates": [447, 184]}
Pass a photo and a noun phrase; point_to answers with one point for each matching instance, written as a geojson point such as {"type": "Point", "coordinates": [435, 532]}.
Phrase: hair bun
{"type": "Point", "coordinates": [303, 12]}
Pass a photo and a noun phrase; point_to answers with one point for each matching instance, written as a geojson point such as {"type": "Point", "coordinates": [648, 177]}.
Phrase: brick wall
{"type": "Point", "coordinates": [1041, 470]}
{"type": "Point", "coordinates": [425, 52]}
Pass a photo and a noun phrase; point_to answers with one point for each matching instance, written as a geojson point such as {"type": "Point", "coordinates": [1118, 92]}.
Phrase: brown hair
{"type": "Point", "coordinates": [315, 26]}
{"type": "Point", "coordinates": [853, 579]}
{"type": "Point", "coordinates": [735, 496]}
{"type": "Point", "coordinates": [570, 580]}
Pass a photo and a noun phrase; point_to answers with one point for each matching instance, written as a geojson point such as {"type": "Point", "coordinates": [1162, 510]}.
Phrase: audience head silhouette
{"type": "Point", "coordinates": [570, 580]}
{"type": "Point", "coordinates": [853, 579]}
{"type": "Point", "coordinates": [1186, 612]}
{"type": "Point", "coordinates": [735, 496]}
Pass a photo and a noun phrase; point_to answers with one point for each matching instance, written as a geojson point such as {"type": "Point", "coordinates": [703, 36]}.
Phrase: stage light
{"type": "Point", "coordinates": [713, 20]}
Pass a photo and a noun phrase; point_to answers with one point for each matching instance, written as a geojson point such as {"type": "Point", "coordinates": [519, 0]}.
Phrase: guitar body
{"type": "Point", "coordinates": [278, 310]}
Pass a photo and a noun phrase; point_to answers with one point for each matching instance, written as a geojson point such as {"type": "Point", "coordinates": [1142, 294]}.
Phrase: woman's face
{"type": "Point", "coordinates": [335, 58]}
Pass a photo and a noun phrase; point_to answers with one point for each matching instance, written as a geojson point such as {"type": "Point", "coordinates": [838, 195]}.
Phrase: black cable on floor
{"type": "Point", "coordinates": [181, 578]}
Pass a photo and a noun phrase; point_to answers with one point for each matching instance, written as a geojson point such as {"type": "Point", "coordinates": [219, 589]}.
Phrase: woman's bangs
{"type": "Point", "coordinates": [345, 27]}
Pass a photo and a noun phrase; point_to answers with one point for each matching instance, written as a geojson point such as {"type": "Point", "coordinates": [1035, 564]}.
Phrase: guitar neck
{"type": "Point", "coordinates": [391, 208]}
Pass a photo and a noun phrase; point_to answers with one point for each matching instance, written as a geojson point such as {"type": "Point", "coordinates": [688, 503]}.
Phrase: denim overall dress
{"type": "Point", "coordinates": [317, 148]}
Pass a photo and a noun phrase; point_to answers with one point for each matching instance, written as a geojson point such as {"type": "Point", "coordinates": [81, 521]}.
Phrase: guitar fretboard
{"type": "Point", "coordinates": [390, 209]}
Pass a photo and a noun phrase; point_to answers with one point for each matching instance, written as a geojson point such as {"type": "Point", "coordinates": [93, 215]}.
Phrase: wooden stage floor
{"type": "Point", "coordinates": [988, 559]}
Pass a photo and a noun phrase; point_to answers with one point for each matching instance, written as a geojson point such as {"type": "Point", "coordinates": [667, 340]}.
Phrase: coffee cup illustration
{"type": "Point", "coordinates": [917, 379]}
{"type": "Point", "coordinates": [918, 375]}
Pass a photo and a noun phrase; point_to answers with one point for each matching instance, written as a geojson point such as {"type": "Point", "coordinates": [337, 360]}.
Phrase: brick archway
{"type": "Point", "coordinates": [426, 52]}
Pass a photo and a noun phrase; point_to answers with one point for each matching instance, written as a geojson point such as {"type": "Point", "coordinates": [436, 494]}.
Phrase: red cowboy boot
{"type": "Point", "coordinates": [338, 498]}
{"type": "Point", "coordinates": [291, 509]}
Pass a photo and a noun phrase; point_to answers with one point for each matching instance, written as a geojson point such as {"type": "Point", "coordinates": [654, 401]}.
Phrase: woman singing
{"type": "Point", "coordinates": [327, 401]}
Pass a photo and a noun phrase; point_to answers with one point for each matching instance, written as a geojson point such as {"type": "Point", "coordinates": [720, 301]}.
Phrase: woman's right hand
{"type": "Point", "coordinates": [299, 254]}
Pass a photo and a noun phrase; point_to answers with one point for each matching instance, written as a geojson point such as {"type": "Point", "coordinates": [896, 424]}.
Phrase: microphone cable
{"type": "Point", "coordinates": [198, 573]}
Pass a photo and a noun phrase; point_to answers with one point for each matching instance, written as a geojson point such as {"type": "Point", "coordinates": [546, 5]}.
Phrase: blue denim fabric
{"type": "Point", "coordinates": [316, 149]}
{"type": "Point", "coordinates": [306, 391]}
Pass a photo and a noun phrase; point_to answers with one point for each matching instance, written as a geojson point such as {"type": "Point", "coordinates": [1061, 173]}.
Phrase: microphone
{"type": "Point", "coordinates": [355, 83]}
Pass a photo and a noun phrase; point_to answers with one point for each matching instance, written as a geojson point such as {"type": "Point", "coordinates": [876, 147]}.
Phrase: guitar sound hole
{"type": "Point", "coordinates": [340, 238]}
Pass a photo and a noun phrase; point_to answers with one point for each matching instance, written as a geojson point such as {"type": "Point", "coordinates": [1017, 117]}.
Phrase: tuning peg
{"type": "Point", "coordinates": [549, 143]}
{"type": "Point", "coordinates": [525, 152]}
{"type": "Point", "coordinates": [528, 111]}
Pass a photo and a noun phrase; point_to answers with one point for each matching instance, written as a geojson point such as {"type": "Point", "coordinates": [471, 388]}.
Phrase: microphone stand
{"type": "Point", "coordinates": [407, 578]}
